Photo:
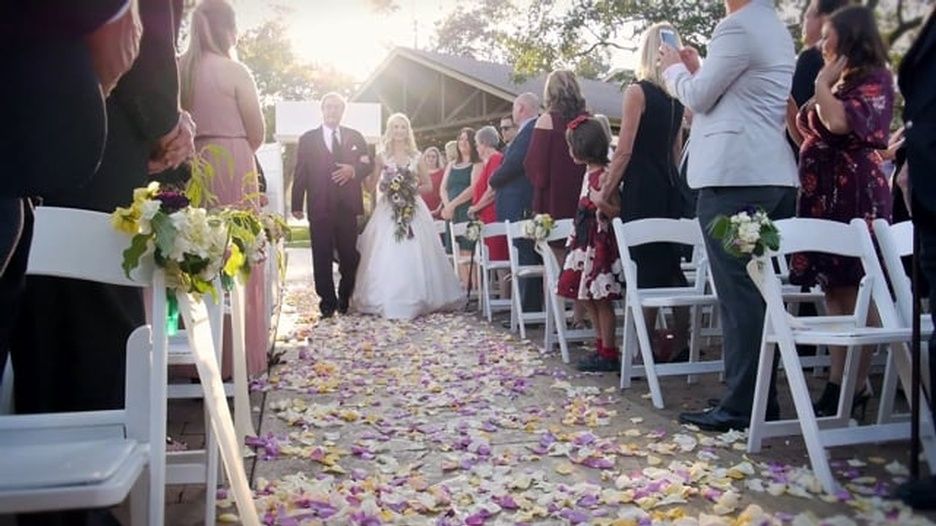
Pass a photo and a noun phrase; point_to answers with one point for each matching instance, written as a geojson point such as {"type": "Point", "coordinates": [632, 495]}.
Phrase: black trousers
{"type": "Point", "coordinates": [15, 237]}
{"type": "Point", "coordinates": [334, 234]}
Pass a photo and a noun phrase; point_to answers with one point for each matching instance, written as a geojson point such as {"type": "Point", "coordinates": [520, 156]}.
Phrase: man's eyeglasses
{"type": "Point", "coordinates": [508, 127]}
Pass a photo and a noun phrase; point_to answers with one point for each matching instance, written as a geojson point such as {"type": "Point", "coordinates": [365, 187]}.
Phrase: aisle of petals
{"type": "Point", "coordinates": [447, 421]}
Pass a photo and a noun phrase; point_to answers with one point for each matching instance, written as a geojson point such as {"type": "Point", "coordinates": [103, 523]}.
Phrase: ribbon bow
{"type": "Point", "coordinates": [576, 122]}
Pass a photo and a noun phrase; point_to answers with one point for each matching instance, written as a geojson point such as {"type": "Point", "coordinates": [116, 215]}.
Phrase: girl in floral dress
{"type": "Point", "coordinates": [592, 273]}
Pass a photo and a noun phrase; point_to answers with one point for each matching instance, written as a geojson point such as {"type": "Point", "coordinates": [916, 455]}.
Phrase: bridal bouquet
{"type": "Point", "coordinates": [539, 227]}
{"type": "Point", "coordinates": [187, 243]}
{"type": "Point", "coordinates": [747, 233]}
{"type": "Point", "coordinates": [400, 186]}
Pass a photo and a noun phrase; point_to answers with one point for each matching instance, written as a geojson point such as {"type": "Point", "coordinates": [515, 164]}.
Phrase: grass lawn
{"type": "Point", "coordinates": [299, 237]}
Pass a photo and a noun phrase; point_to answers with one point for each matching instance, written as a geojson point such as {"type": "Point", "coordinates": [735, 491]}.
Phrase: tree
{"type": "Point", "coordinates": [266, 50]}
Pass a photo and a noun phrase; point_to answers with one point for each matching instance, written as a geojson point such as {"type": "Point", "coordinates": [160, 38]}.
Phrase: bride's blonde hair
{"type": "Point", "coordinates": [387, 139]}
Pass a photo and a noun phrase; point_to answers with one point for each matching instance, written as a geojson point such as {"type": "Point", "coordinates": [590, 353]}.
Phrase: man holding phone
{"type": "Point", "coordinates": [738, 157]}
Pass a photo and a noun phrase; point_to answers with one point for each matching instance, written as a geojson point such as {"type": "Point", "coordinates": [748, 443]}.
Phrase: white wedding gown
{"type": "Point", "coordinates": [407, 278]}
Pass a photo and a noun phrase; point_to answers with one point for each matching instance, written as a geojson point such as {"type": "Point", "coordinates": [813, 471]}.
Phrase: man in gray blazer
{"type": "Point", "coordinates": [738, 157]}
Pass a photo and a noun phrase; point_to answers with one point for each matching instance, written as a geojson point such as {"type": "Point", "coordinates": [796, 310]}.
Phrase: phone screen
{"type": "Point", "coordinates": [669, 38]}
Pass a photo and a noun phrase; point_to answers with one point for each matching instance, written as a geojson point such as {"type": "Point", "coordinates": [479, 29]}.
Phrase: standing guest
{"type": "Point", "coordinates": [592, 274]}
{"type": "Point", "coordinates": [222, 97]}
{"type": "Point", "coordinates": [842, 127]}
{"type": "Point", "coordinates": [332, 164]}
{"type": "Point", "coordinates": [606, 126]}
{"type": "Point", "coordinates": [451, 154]}
{"type": "Point", "coordinates": [917, 80]}
{"type": "Point", "coordinates": [482, 204]}
{"type": "Point", "coordinates": [508, 129]}
{"type": "Point", "coordinates": [457, 188]}
{"type": "Point", "coordinates": [642, 179]}
{"type": "Point", "coordinates": [513, 194]}
{"type": "Point", "coordinates": [738, 157]}
{"type": "Point", "coordinates": [555, 176]}
{"type": "Point", "coordinates": [88, 46]}
{"type": "Point", "coordinates": [436, 166]}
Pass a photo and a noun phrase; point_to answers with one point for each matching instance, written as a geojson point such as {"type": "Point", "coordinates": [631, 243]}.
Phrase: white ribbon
{"type": "Point", "coordinates": [756, 269]}
{"type": "Point", "coordinates": [243, 423]}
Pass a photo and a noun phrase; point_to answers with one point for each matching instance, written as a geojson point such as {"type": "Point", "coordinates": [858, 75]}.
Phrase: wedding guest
{"type": "Point", "coordinates": [457, 188]}
{"type": "Point", "coordinates": [436, 166]}
{"type": "Point", "coordinates": [641, 180]}
{"type": "Point", "coordinates": [88, 46]}
{"type": "Point", "coordinates": [917, 78]}
{"type": "Point", "coordinates": [554, 175]}
{"type": "Point", "coordinates": [592, 273]}
{"type": "Point", "coordinates": [451, 153]}
{"type": "Point", "coordinates": [220, 93]}
{"type": "Point", "coordinates": [606, 126]}
{"type": "Point", "coordinates": [513, 194]}
{"type": "Point", "coordinates": [482, 203]}
{"type": "Point", "coordinates": [738, 157]}
{"type": "Point", "coordinates": [840, 169]}
{"type": "Point", "coordinates": [508, 129]}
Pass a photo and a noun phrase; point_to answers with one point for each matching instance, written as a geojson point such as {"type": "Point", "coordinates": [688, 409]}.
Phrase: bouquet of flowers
{"type": "Point", "coordinates": [187, 243]}
{"type": "Point", "coordinates": [473, 230]}
{"type": "Point", "coordinates": [248, 243]}
{"type": "Point", "coordinates": [275, 227]}
{"type": "Point", "coordinates": [400, 186]}
{"type": "Point", "coordinates": [539, 227]}
{"type": "Point", "coordinates": [747, 233]}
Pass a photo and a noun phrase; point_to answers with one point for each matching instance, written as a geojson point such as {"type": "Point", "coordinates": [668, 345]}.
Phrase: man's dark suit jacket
{"type": "Point", "coordinates": [917, 78]}
{"type": "Point", "coordinates": [513, 196]}
{"type": "Point", "coordinates": [313, 176]}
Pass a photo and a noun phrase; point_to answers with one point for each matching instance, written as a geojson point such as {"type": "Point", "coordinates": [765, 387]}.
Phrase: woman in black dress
{"type": "Point", "coordinates": [643, 170]}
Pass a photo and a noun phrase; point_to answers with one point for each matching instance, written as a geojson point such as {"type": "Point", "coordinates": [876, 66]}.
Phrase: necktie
{"type": "Point", "coordinates": [334, 140]}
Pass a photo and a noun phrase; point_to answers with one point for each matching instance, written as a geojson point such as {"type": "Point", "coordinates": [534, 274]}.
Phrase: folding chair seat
{"type": "Point", "coordinates": [490, 270]}
{"type": "Point", "coordinates": [783, 330]}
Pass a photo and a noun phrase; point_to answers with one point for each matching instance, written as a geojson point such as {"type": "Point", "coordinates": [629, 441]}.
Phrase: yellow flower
{"type": "Point", "coordinates": [141, 194]}
{"type": "Point", "coordinates": [126, 220]}
{"type": "Point", "coordinates": [235, 261]}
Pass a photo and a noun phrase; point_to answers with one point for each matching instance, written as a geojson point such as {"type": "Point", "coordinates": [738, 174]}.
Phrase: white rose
{"type": "Point", "coordinates": [150, 208]}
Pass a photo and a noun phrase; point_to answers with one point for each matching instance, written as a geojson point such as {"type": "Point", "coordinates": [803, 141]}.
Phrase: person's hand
{"type": "Point", "coordinates": [472, 212]}
{"type": "Point", "coordinates": [690, 57]}
{"type": "Point", "coordinates": [175, 147]}
{"type": "Point", "coordinates": [668, 57]}
{"type": "Point", "coordinates": [448, 212]}
{"type": "Point", "coordinates": [343, 174]}
{"type": "Point", "coordinates": [831, 72]}
{"type": "Point", "coordinates": [298, 214]}
{"type": "Point", "coordinates": [114, 46]}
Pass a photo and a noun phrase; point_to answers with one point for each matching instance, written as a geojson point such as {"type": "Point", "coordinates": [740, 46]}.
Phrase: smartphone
{"type": "Point", "coordinates": [668, 37]}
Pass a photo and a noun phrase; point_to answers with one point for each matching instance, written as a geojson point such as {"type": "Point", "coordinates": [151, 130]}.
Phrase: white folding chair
{"type": "Point", "coordinates": [490, 270]}
{"type": "Point", "coordinates": [93, 459]}
{"type": "Point", "coordinates": [636, 299]}
{"type": "Point", "coordinates": [783, 330]}
{"type": "Point", "coordinates": [456, 231]}
{"type": "Point", "coordinates": [896, 241]}
{"type": "Point", "coordinates": [519, 318]}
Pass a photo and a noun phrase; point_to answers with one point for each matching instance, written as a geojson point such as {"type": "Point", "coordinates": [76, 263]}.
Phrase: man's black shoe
{"type": "Point", "coordinates": [717, 419]}
{"type": "Point", "coordinates": [919, 494]}
{"type": "Point", "coordinates": [342, 306]}
{"type": "Point", "coordinates": [506, 324]}
{"type": "Point", "coordinates": [772, 415]}
{"type": "Point", "coordinates": [327, 313]}
{"type": "Point", "coordinates": [598, 364]}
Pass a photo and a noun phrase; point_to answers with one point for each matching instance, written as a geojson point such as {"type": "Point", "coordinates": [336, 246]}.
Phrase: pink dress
{"type": "Point", "coordinates": [219, 124]}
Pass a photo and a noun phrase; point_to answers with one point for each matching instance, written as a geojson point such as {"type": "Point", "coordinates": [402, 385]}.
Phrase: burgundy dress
{"type": "Point", "coordinates": [592, 269]}
{"type": "Point", "coordinates": [841, 175]}
{"type": "Point", "coordinates": [555, 177]}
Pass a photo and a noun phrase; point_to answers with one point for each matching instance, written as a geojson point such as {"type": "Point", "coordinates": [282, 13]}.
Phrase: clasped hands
{"type": "Point", "coordinates": [175, 147]}
{"type": "Point", "coordinates": [605, 203]}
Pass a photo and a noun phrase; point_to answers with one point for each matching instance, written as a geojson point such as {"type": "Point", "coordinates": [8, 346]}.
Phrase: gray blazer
{"type": "Point", "coordinates": [738, 99]}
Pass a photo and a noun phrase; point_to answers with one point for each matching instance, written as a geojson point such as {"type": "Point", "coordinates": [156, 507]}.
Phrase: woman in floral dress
{"type": "Point", "coordinates": [592, 273]}
{"type": "Point", "coordinates": [841, 130]}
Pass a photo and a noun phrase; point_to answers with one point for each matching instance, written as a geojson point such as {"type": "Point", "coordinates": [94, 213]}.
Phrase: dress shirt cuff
{"type": "Point", "coordinates": [673, 72]}
{"type": "Point", "coordinates": [123, 10]}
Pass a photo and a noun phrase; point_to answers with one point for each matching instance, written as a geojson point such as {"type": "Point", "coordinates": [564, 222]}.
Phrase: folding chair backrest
{"type": "Point", "coordinates": [896, 241]}
{"type": "Point", "coordinates": [656, 230]}
{"type": "Point", "coordinates": [493, 230]}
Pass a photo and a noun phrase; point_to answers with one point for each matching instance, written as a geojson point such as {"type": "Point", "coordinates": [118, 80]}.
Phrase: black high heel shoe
{"type": "Point", "coordinates": [827, 405]}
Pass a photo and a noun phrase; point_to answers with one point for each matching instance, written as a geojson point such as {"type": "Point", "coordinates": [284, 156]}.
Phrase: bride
{"type": "Point", "coordinates": [404, 272]}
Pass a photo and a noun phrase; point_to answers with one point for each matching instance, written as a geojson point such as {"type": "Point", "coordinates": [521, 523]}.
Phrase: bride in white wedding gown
{"type": "Point", "coordinates": [406, 278]}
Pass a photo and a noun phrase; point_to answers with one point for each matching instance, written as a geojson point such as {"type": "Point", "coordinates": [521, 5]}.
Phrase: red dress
{"type": "Point", "coordinates": [497, 246]}
{"type": "Point", "coordinates": [592, 269]}
{"type": "Point", "coordinates": [551, 170]}
{"type": "Point", "coordinates": [432, 199]}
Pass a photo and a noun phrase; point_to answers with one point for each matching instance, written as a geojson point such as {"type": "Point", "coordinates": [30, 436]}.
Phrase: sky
{"type": "Point", "coordinates": [347, 33]}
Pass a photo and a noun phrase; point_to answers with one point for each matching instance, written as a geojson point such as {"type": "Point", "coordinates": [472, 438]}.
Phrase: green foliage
{"type": "Point", "coordinates": [133, 253]}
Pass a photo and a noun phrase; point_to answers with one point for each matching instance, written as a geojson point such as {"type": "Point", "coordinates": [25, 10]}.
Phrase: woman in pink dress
{"type": "Point", "coordinates": [221, 95]}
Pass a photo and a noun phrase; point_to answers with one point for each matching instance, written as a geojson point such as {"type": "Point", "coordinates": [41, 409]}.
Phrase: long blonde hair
{"type": "Point", "coordinates": [648, 54]}
{"type": "Point", "coordinates": [212, 23]}
{"type": "Point", "coordinates": [387, 138]}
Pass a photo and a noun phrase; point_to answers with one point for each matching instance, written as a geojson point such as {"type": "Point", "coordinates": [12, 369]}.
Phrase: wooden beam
{"type": "Point", "coordinates": [428, 95]}
{"type": "Point", "coordinates": [461, 122]}
{"type": "Point", "coordinates": [454, 113]}
{"type": "Point", "coordinates": [442, 97]}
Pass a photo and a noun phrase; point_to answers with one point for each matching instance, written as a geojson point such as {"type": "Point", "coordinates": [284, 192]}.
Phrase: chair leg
{"type": "Point", "coordinates": [695, 325]}
{"type": "Point", "coordinates": [558, 313]}
{"type": "Point", "coordinates": [627, 348]}
{"type": "Point", "coordinates": [761, 393]}
{"type": "Point", "coordinates": [646, 352]}
{"type": "Point", "coordinates": [486, 293]}
{"type": "Point", "coordinates": [211, 471]}
{"type": "Point", "coordinates": [888, 391]}
{"type": "Point", "coordinates": [548, 331]}
{"type": "Point", "coordinates": [140, 499]}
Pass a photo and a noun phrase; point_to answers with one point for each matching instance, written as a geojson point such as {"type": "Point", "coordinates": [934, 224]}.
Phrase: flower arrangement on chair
{"type": "Point", "coordinates": [747, 233]}
{"type": "Point", "coordinates": [400, 185]}
{"type": "Point", "coordinates": [539, 228]}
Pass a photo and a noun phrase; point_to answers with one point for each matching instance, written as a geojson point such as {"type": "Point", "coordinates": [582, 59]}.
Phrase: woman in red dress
{"type": "Point", "coordinates": [840, 131]}
{"type": "Point", "coordinates": [434, 162]}
{"type": "Point", "coordinates": [482, 204]}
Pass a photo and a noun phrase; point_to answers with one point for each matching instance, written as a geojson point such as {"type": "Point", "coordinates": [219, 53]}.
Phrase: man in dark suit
{"type": "Point", "coordinates": [61, 57]}
{"type": "Point", "coordinates": [917, 79]}
{"type": "Point", "coordinates": [332, 162]}
{"type": "Point", "coordinates": [513, 193]}
{"type": "Point", "coordinates": [70, 338]}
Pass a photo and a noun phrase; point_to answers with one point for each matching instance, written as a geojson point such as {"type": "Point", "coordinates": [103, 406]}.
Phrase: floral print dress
{"type": "Point", "coordinates": [841, 175]}
{"type": "Point", "coordinates": [592, 269]}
